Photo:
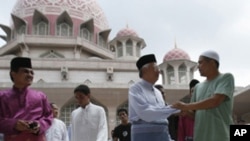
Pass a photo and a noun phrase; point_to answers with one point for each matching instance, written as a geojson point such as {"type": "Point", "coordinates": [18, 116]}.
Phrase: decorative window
{"type": "Point", "coordinates": [129, 48]}
{"type": "Point", "coordinates": [119, 49]}
{"type": "Point", "coordinates": [138, 49]}
{"type": "Point", "coordinates": [41, 28]}
{"type": "Point", "coordinates": [66, 113]}
{"type": "Point", "coordinates": [170, 75]}
{"type": "Point", "coordinates": [101, 41]}
{"type": "Point", "coordinates": [22, 29]}
{"type": "Point", "coordinates": [191, 73]}
{"type": "Point", "coordinates": [84, 33]}
{"type": "Point", "coordinates": [64, 29]}
{"type": "Point", "coordinates": [182, 74]}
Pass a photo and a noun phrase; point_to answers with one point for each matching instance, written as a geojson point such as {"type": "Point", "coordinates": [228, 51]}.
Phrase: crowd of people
{"type": "Point", "coordinates": [27, 115]}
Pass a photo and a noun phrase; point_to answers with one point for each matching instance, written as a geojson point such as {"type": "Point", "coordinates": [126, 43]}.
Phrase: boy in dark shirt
{"type": "Point", "coordinates": [122, 131]}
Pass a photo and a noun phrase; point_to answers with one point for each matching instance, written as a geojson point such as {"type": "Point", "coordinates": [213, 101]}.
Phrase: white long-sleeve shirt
{"type": "Point", "coordinates": [89, 124]}
{"type": "Point", "coordinates": [146, 103]}
{"type": "Point", "coordinates": [57, 131]}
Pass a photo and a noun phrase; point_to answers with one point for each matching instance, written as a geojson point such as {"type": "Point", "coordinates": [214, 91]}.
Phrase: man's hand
{"type": "Point", "coordinates": [22, 125]}
{"type": "Point", "coordinates": [180, 105]}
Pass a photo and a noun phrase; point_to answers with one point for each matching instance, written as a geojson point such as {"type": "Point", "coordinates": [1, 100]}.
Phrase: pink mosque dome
{"type": "Point", "coordinates": [126, 32]}
{"type": "Point", "coordinates": [176, 54]}
{"type": "Point", "coordinates": [78, 10]}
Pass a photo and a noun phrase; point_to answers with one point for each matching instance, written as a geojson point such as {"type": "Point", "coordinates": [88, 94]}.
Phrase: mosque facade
{"type": "Point", "coordinates": [69, 43]}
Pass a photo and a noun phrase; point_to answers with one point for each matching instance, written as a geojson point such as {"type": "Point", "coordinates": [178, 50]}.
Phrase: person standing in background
{"type": "Point", "coordinates": [88, 122]}
{"type": "Point", "coordinates": [122, 131]}
{"type": "Point", "coordinates": [212, 101]}
{"type": "Point", "coordinates": [58, 130]}
{"type": "Point", "coordinates": [186, 121]}
{"type": "Point", "coordinates": [147, 110]}
{"type": "Point", "coordinates": [25, 113]}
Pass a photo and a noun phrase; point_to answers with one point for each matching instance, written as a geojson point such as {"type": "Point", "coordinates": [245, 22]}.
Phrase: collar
{"type": "Point", "coordinates": [146, 83]}
{"type": "Point", "coordinates": [18, 90]}
{"type": "Point", "coordinates": [87, 106]}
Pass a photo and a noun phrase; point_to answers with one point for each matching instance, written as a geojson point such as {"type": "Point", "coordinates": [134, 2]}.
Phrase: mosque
{"type": "Point", "coordinates": [69, 43]}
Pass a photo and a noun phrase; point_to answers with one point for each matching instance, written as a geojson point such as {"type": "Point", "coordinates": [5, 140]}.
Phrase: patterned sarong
{"type": "Point", "coordinates": [150, 132]}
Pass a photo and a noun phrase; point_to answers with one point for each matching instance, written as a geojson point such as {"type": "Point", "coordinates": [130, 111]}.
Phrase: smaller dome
{"type": "Point", "coordinates": [176, 54]}
{"type": "Point", "coordinates": [126, 32]}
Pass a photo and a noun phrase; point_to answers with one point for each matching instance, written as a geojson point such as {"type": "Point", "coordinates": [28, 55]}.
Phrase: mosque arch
{"type": "Point", "coordinates": [64, 25]}
{"type": "Point", "coordinates": [41, 81]}
{"type": "Point", "coordinates": [87, 81]}
{"type": "Point", "coordinates": [40, 24]}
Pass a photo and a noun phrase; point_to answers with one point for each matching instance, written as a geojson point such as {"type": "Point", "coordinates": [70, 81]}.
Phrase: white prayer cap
{"type": "Point", "coordinates": [211, 54]}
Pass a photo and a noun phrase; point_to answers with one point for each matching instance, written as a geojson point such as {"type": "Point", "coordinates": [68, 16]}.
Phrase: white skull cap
{"type": "Point", "coordinates": [211, 54]}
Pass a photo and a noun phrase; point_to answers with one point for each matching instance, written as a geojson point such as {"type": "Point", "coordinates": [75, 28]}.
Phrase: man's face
{"type": "Point", "coordinates": [55, 111]}
{"type": "Point", "coordinates": [154, 71]}
{"type": "Point", "coordinates": [82, 99]}
{"type": "Point", "coordinates": [123, 116]}
{"type": "Point", "coordinates": [23, 77]}
{"type": "Point", "coordinates": [204, 66]}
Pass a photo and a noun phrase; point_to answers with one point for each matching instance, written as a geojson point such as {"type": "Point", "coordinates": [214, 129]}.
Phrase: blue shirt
{"type": "Point", "coordinates": [146, 103]}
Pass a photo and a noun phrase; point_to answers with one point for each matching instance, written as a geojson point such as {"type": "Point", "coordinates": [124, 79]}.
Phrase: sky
{"type": "Point", "coordinates": [194, 25]}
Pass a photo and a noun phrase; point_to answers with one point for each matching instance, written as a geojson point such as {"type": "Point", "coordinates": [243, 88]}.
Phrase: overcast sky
{"type": "Point", "coordinates": [196, 25]}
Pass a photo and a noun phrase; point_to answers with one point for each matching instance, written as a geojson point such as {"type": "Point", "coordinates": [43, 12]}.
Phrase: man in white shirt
{"type": "Point", "coordinates": [58, 130]}
{"type": "Point", "coordinates": [89, 120]}
{"type": "Point", "coordinates": [147, 110]}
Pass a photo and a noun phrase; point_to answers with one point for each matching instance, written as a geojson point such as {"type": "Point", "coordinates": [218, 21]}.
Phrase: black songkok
{"type": "Point", "coordinates": [145, 60]}
{"type": "Point", "coordinates": [20, 62]}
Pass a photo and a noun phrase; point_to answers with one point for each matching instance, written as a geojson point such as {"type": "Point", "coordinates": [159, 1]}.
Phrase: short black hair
{"type": "Point", "coordinates": [122, 110]}
{"type": "Point", "coordinates": [158, 86]}
{"type": "Point", "coordinates": [83, 89]}
{"type": "Point", "coordinates": [193, 82]}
